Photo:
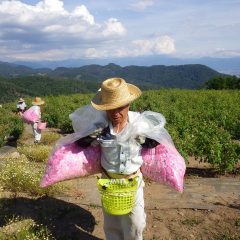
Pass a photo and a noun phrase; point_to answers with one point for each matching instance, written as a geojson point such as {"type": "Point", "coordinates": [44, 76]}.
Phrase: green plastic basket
{"type": "Point", "coordinates": [118, 195]}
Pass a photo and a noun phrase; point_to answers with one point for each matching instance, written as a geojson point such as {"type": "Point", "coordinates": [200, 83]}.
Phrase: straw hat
{"type": "Point", "coordinates": [115, 93]}
{"type": "Point", "coordinates": [21, 100]}
{"type": "Point", "coordinates": [37, 101]}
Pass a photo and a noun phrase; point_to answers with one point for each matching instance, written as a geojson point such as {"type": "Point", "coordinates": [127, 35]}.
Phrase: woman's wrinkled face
{"type": "Point", "coordinates": [118, 115]}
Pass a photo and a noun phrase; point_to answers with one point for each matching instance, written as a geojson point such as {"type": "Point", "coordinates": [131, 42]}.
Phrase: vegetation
{"type": "Point", "coordinates": [203, 123]}
{"type": "Point", "coordinates": [9, 69]}
{"type": "Point", "coordinates": [223, 82]}
{"type": "Point", "coordinates": [191, 222]}
{"type": "Point", "coordinates": [49, 138]}
{"type": "Point", "coordinates": [23, 175]}
{"type": "Point", "coordinates": [37, 153]}
{"type": "Point", "coordinates": [158, 76]}
{"type": "Point", "coordinates": [20, 81]}
{"type": "Point", "coordinates": [24, 229]}
{"type": "Point", "coordinates": [10, 125]}
{"type": "Point", "coordinates": [13, 88]}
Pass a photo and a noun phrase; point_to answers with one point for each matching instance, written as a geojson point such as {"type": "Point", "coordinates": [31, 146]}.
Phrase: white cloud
{"type": "Point", "coordinates": [226, 53]}
{"type": "Point", "coordinates": [91, 53]}
{"type": "Point", "coordinates": [51, 5]}
{"type": "Point", "coordinates": [156, 45]}
{"type": "Point", "coordinates": [142, 4]}
{"type": "Point", "coordinates": [82, 12]}
{"type": "Point", "coordinates": [48, 31]}
{"type": "Point", "coordinates": [113, 27]}
{"type": "Point", "coordinates": [152, 46]}
{"type": "Point", "coordinates": [48, 27]}
{"type": "Point", "coordinates": [60, 29]}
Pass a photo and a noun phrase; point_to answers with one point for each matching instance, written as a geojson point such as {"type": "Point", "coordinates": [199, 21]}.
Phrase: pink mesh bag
{"type": "Point", "coordinates": [41, 125]}
{"type": "Point", "coordinates": [164, 165]}
{"type": "Point", "coordinates": [30, 116]}
{"type": "Point", "coordinates": [71, 161]}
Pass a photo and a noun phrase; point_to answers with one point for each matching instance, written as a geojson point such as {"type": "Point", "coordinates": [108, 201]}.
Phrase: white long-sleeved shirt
{"type": "Point", "coordinates": [21, 105]}
{"type": "Point", "coordinates": [122, 158]}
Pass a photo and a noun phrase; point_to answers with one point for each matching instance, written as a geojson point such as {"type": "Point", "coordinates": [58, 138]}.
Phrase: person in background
{"type": "Point", "coordinates": [120, 161]}
{"type": "Point", "coordinates": [37, 102]}
{"type": "Point", "coordinates": [21, 106]}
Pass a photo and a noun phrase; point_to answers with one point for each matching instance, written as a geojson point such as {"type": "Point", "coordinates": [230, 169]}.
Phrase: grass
{"type": "Point", "coordinates": [21, 175]}
{"type": "Point", "coordinates": [191, 222]}
{"type": "Point", "coordinates": [154, 237]}
{"type": "Point", "coordinates": [237, 222]}
{"type": "Point", "coordinates": [24, 229]}
{"type": "Point", "coordinates": [94, 206]}
{"type": "Point", "coordinates": [226, 236]}
{"type": "Point", "coordinates": [49, 138]}
{"type": "Point", "coordinates": [36, 153]}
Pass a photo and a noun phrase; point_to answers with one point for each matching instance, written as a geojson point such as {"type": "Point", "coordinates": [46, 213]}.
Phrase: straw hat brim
{"type": "Point", "coordinates": [38, 103]}
{"type": "Point", "coordinates": [97, 103]}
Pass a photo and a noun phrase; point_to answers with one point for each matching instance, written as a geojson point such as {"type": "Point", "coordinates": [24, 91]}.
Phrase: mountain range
{"type": "Point", "coordinates": [230, 65]}
{"type": "Point", "coordinates": [190, 76]}
{"type": "Point", "coordinates": [19, 80]}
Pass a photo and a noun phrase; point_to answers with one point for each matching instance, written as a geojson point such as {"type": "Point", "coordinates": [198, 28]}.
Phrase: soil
{"type": "Point", "coordinates": [195, 214]}
{"type": "Point", "coordinates": [208, 209]}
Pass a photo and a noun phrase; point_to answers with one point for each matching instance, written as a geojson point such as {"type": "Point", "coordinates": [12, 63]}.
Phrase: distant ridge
{"type": "Point", "coordinates": [229, 65]}
{"type": "Point", "coordinates": [190, 76]}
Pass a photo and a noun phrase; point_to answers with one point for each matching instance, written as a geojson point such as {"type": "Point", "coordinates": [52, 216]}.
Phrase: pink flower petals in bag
{"type": "Point", "coordinates": [30, 116]}
{"type": "Point", "coordinates": [71, 161]}
{"type": "Point", "coordinates": [41, 125]}
{"type": "Point", "coordinates": [164, 165]}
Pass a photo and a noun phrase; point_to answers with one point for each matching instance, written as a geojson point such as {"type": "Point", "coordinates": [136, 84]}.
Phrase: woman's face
{"type": "Point", "coordinates": [118, 115]}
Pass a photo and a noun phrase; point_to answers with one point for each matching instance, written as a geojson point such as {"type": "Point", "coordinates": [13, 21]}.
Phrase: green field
{"type": "Point", "coordinates": [203, 123]}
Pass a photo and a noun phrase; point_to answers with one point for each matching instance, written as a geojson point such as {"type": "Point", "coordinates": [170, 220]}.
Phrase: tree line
{"type": "Point", "coordinates": [223, 82]}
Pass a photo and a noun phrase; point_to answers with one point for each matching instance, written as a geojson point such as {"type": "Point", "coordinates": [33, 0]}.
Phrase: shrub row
{"type": "Point", "coordinates": [202, 123]}
{"type": "Point", "coordinates": [11, 125]}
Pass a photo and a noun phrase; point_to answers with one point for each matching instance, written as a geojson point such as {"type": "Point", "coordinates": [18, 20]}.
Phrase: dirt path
{"type": "Point", "coordinates": [208, 209]}
{"type": "Point", "coordinates": [203, 206]}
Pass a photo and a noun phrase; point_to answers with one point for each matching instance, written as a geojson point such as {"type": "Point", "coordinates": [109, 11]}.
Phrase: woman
{"type": "Point", "coordinates": [120, 153]}
{"type": "Point", "coordinates": [37, 102]}
{"type": "Point", "coordinates": [21, 106]}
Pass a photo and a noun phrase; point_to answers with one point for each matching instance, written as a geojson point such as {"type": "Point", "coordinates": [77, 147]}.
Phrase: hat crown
{"type": "Point", "coordinates": [37, 101]}
{"type": "Point", "coordinates": [115, 93]}
{"type": "Point", "coordinates": [114, 90]}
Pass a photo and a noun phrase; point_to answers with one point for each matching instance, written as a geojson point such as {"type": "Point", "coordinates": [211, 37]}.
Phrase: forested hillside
{"type": "Point", "coordinates": [191, 76]}
{"type": "Point", "coordinates": [13, 70]}
{"type": "Point", "coordinates": [13, 88]}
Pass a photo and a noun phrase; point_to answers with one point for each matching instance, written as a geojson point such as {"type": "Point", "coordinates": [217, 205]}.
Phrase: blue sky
{"type": "Point", "coordinates": [32, 30]}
